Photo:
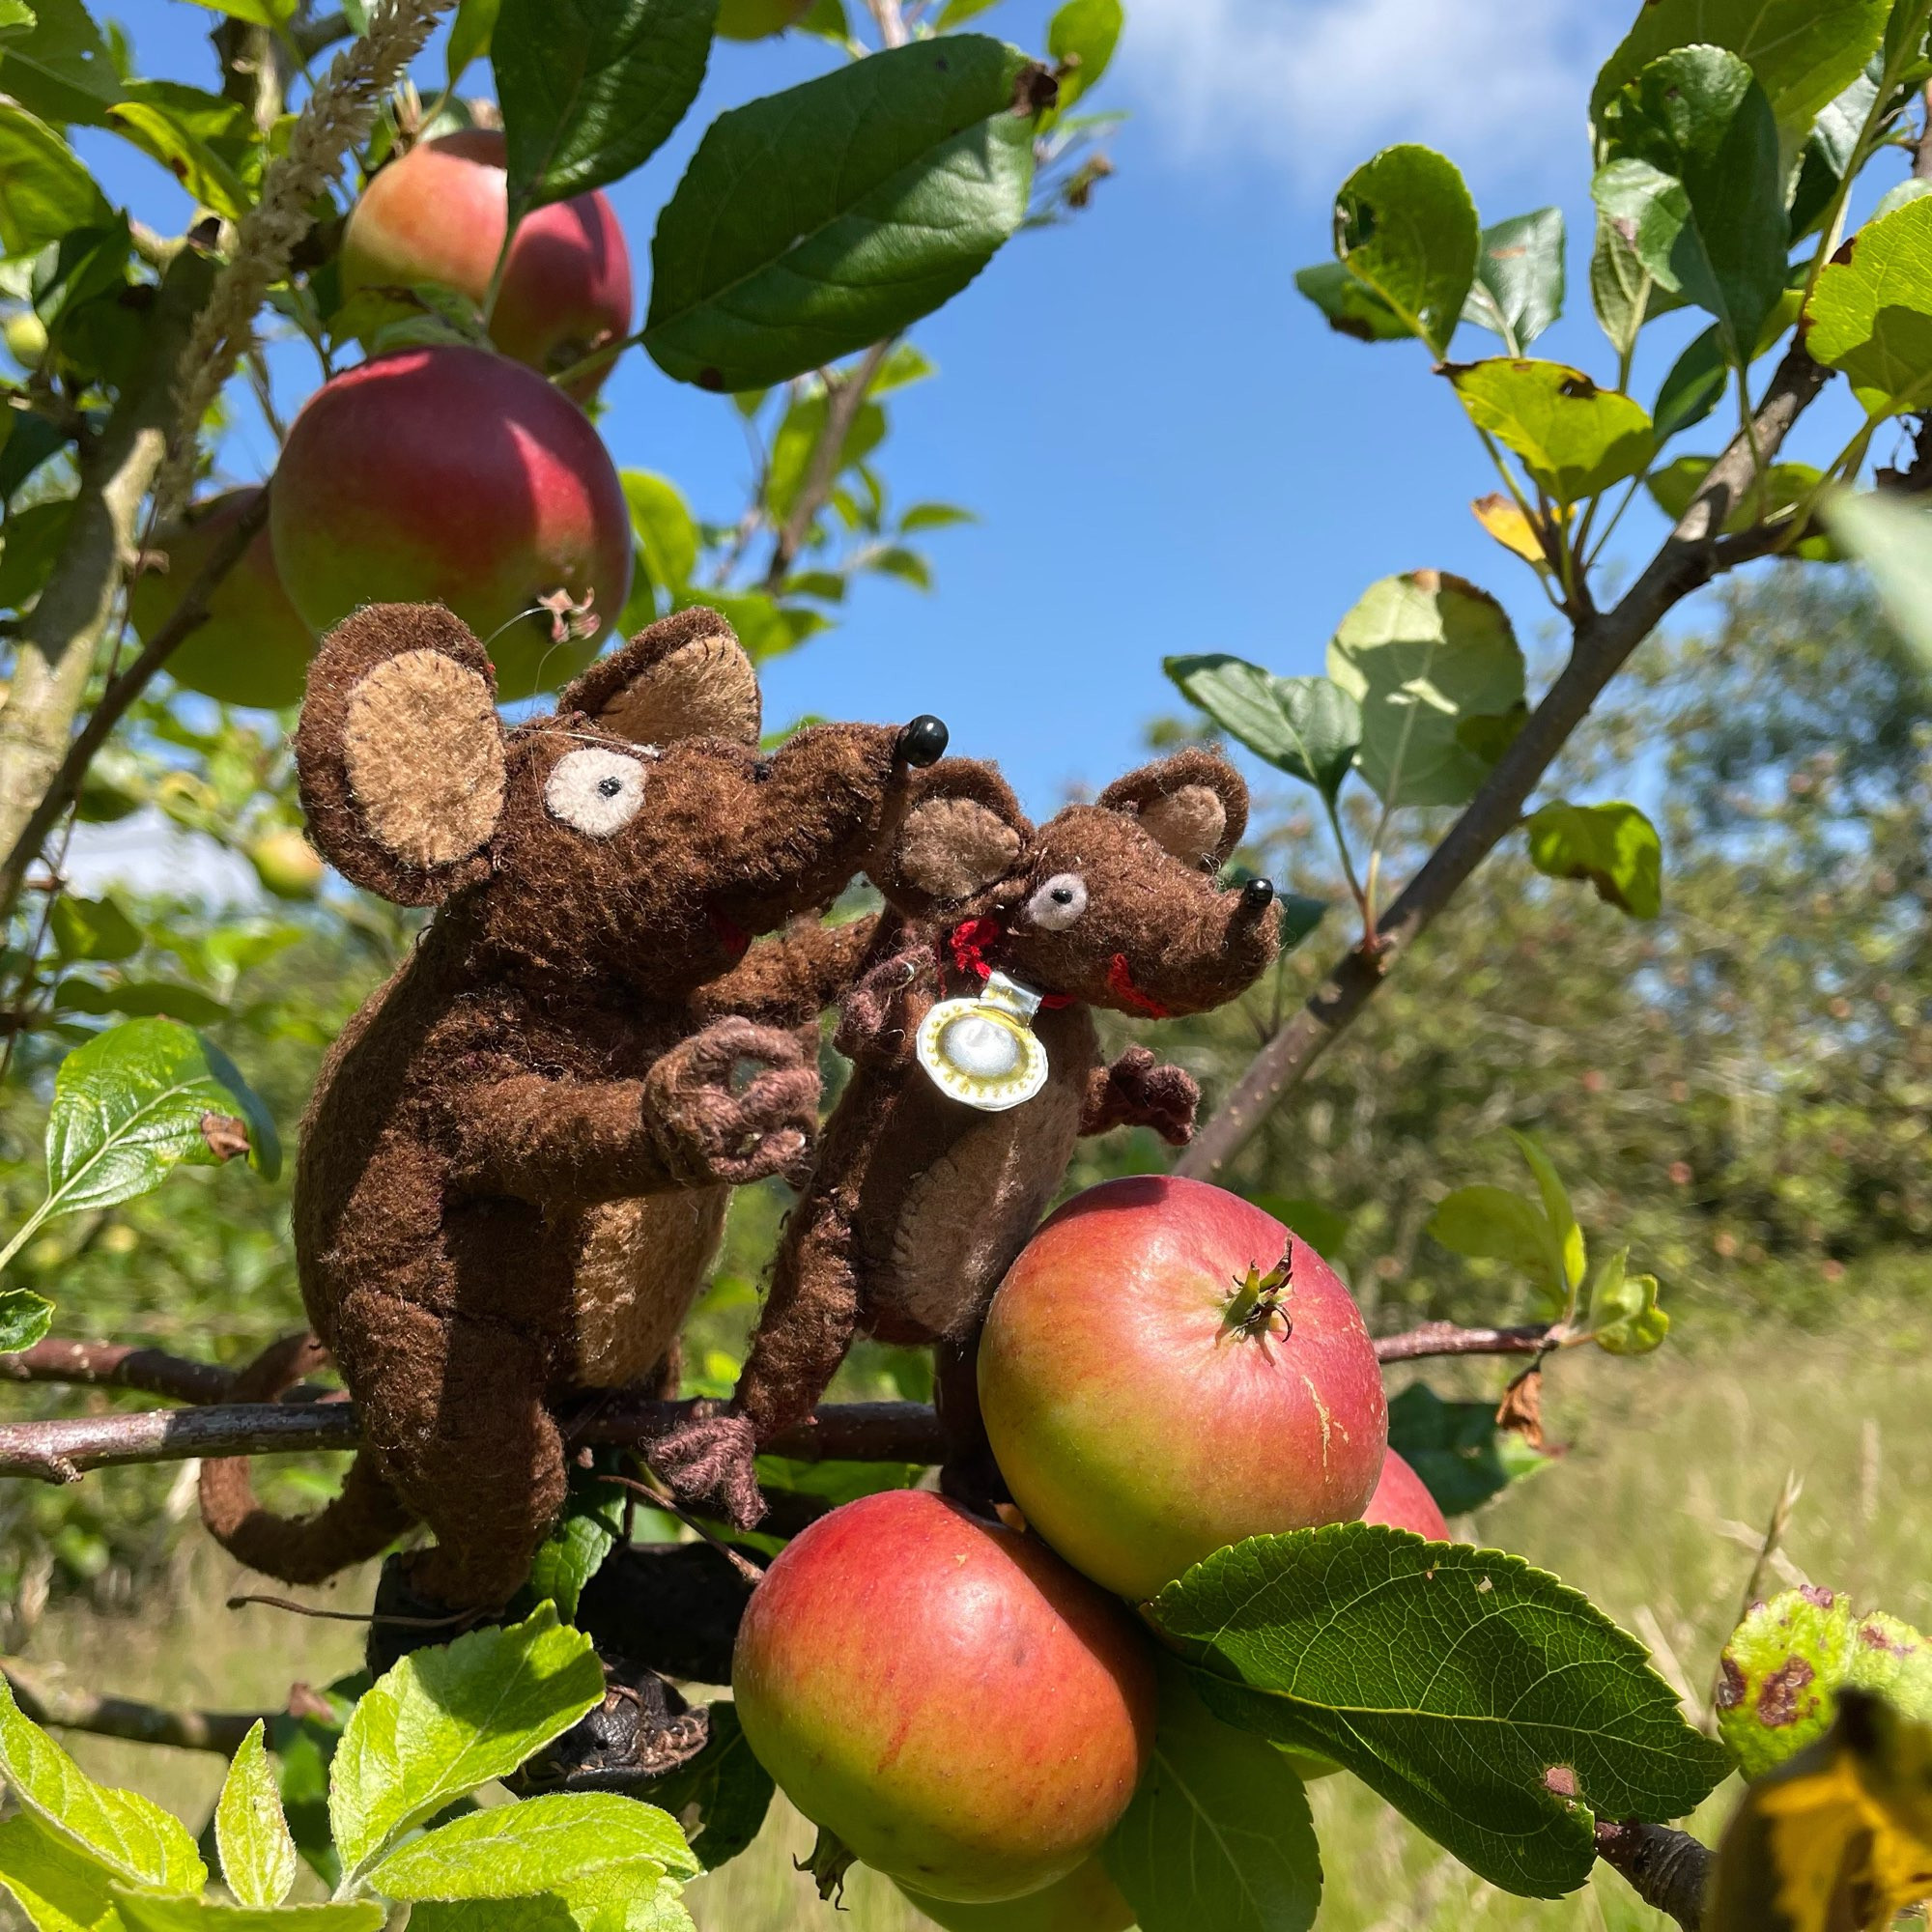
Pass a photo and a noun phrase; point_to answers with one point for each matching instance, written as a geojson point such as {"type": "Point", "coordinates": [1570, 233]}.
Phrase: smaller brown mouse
{"type": "Point", "coordinates": [919, 1200]}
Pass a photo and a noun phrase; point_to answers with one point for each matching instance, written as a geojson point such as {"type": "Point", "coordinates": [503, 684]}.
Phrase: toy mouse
{"type": "Point", "coordinates": [976, 1066]}
{"type": "Point", "coordinates": [515, 1166]}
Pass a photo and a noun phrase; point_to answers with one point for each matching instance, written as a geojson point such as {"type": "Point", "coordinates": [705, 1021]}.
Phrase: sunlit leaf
{"type": "Point", "coordinates": [251, 1832]}
{"type": "Point", "coordinates": [1406, 228]}
{"type": "Point", "coordinates": [1614, 846]}
{"type": "Point", "coordinates": [1519, 277]}
{"type": "Point", "coordinates": [1871, 312]}
{"type": "Point", "coordinates": [1309, 727]}
{"type": "Point", "coordinates": [1575, 439]}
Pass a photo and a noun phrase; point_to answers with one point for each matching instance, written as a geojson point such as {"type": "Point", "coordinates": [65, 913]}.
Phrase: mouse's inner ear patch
{"type": "Point", "coordinates": [1190, 823]}
{"type": "Point", "coordinates": [951, 847]}
{"type": "Point", "coordinates": [703, 689]}
{"type": "Point", "coordinates": [424, 758]}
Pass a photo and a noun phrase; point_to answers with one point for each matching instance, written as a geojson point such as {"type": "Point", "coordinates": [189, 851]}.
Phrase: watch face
{"type": "Point", "coordinates": [981, 1054]}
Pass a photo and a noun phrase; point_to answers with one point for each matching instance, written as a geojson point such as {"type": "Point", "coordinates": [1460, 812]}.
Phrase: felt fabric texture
{"type": "Point", "coordinates": [918, 1203]}
{"type": "Point", "coordinates": [357, 1525]}
{"type": "Point", "coordinates": [513, 1170]}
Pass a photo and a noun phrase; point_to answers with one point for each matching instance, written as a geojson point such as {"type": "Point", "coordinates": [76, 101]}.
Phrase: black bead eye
{"type": "Point", "coordinates": [609, 787]}
{"type": "Point", "coordinates": [1059, 903]}
{"type": "Point", "coordinates": [1063, 895]}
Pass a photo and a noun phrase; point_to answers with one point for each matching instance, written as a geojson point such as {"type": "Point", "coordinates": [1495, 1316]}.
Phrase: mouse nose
{"type": "Point", "coordinates": [1258, 895]}
{"type": "Point", "coordinates": [922, 742]}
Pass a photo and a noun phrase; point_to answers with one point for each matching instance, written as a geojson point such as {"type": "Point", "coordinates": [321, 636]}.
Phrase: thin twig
{"type": "Point", "coordinates": [112, 1365]}
{"type": "Point", "coordinates": [63, 787]}
{"type": "Point", "coordinates": [1604, 642]}
{"type": "Point", "coordinates": [63, 1448]}
{"type": "Point", "coordinates": [46, 1702]}
{"type": "Point", "coordinates": [844, 396]}
{"type": "Point", "coordinates": [1445, 1338]}
{"type": "Point", "coordinates": [662, 1498]}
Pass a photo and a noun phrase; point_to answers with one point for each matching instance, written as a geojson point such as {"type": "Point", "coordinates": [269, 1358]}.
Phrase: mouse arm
{"type": "Point", "coordinates": [1139, 1091]}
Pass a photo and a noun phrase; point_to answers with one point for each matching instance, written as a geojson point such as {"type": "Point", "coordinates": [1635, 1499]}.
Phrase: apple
{"type": "Point", "coordinates": [287, 864]}
{"type": "Point", "coordinates": [455, 476]}
{"type": "Point", "coordinates": [1145, 1409]}
{"type": "Point", "coordinates": [438, 215]}
{"type": "Point", "coordinates": [759, 19]}
{"type": "Point", "coordinates": [252, 648]}
{"type": "Point", "coordinates": [944, 1696]}
{"type": "Point", "coordinates": [1086, 1900]}
{"type": "Point", "coordinates": [1402, 1500]}
{"type": "Point", "coordinates": [26, 338]}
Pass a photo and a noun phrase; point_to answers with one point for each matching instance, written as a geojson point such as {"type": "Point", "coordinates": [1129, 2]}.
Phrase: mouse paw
{"type": "Point", "coordinates": [711, 1467]}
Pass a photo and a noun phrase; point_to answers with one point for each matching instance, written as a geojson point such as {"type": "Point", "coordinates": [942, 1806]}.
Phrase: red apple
{"type": "Point", "coordinates": [456, 476]}
{"type": "Point", "coordinates": [1139, 1419]}
{"type": "Point", "coordinates": [253, 647]}
{"type": "Point", "coordinates": [1402, 1500]}
{"type": "Point", "coordinates": [439, 214]}
{"type": "Point", "coordinates": [1086, 1900]}
{"type": "Point", "coordinates": [942, 1693]}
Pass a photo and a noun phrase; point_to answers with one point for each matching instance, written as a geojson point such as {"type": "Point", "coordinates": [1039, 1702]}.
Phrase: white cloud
{"type": "Point", "coordinates": [1319, 85]}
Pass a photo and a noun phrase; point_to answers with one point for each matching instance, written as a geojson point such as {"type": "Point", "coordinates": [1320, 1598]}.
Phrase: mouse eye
{"type": "Point", "coordinates": [595, 790]}
{"type": "Point", "coordinates": [1059, 903]}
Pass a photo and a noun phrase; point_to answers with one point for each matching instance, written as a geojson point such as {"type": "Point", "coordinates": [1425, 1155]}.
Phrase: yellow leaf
{"type": "Point", "coordinates": [1839, 1838]}
{"type": "Point", "coordinates": [1505, 520]}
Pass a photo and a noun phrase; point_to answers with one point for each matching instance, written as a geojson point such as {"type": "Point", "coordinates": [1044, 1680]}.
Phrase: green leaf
{"type": "Point", "coordinates": [1519, 276]}
{"type": "Point", "coordinates": [129, 1105]}
{"type": "Point", "coordinates": [1779, 490]}
{"type": "Point", "coordinates": [1556, 1209]}
{"type": "Point", "coordinates": [1307, 727]}
{"type": "Point", "coordinates": [1622, 290]}
{"type": "Point", "coordinates": [513, 1851]}
{"type": "Point", "coordinates": [1457, 1448]}
{"type": "Point", "coordinates": [934, 517]}
{"type": "Point", "coordinates": [730, 1790]}
{"type": "Point", "coordinates": [16, 18]}
{"type": "Point", "coordinates": [765, 628]}
{"type": "Point", "coordinates": [1912, 189]}
{"type": "Point", "coordinates": [1695, 387]}
{"type": "Point", "coordinates": [1217, 1832]}
{"type": "Point", "coordinates": [816, 221]}
{"type": "Point", "coordinates": [470, 36]}
{"type": "Point", "coordinates": [29, 442]}
{"type": "Point", "coordinates": [56, 1886]}
{"type": "Point", "coordinates": [1575, 439]}
{"type": "Point", "coordinates": [141, 999]}
{"type": "Point", "coordinates": [24, 1318]}
{"type": "Point", "coordinates": [664, 527]}
{"type": "Point", "coordinates": [143, 1914]}
{"type": "Point", "coordinates": [797, 440]}
{"type": "Point", "coordinates": [591, 89]}
{"type": "Point", "coordinates": [30, 541]}
{"type": "Point", "coordinates": [1080, 40]}
{"type": "Point", "coordinates": [127, 1835]}
{"type": "Point", "coordinates": [1420, 654]}
{"type": "Point", "coordinates": [1803, 52]}
{"type": "Point", "coordinates": [1622, 1316]}
{"type": "Point", "coordinates": [1693, 181]}
{"type": "Point", "coordinates": [445, 1720]}
{"type": "Point", "coordinates": [180, 126]}
{"type": "Point", "coordinates": [1351, 306]}
{"type": "Point", "coordinates": [93, 929]}
{"type": "Point", "coordinates": [44, 192]}
{"type": "Point", "coordinates": [1406, 228]}
{"type": "Point", "coordinates": [1829, 150]}
{"type": "Point", "coordinates": [1614, 846]}
{"type": "Point", "coordinates": [257, 13]}
{"type": "Point", "coordinates": [1492, 1224]}
{"type": "Point", "coordinates": [1893, 541]}
{"type": "Point", "coordinates": [1785, 1664]}
{"type": "Point", "coordinates": [1871, 312]}
{"type": "Point", "coordinates": [62, 70]}
{"type": "Point", "coordinates": [1463, 1686]}
{"type": "Point", "coordinates": [1300, 915]}
{"type": "Point", "coordinates": [251, 1830]}
{"type": "Point", "coordinates": [574, 1551]}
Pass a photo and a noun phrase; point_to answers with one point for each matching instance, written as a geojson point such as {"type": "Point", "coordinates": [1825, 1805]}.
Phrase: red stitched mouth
{"type": "Point", "coordinates": [968, 943]}
{"type": "Point", "coordinates": [1121, 983]}
{"type": "Point", "coordinates": [730, 934]}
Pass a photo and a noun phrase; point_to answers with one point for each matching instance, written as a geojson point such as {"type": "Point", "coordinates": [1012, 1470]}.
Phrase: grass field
{"type": "Point", "coordinates": [1656, 1510]}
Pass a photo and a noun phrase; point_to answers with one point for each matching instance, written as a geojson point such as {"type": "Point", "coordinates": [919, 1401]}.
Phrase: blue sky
{"type": "Point", "coordinates": [1166, 447]}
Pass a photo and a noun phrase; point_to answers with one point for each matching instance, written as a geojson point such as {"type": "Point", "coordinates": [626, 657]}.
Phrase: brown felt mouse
{"type": "Point", "coordinates": [515, 1166]}
{"type": "Point", "coordinates": [918, 1201]}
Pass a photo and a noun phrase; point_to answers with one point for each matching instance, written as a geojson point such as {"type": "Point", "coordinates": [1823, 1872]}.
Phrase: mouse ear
{"type": "Point", "coordinates": [961, 829]}
{"type": "Point", "coordinates": [400, 753]}
{"type": "Point", "coordinates": [1194, 803]}
{"type": "Point", "coordinates": [686, 678]}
